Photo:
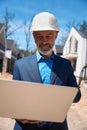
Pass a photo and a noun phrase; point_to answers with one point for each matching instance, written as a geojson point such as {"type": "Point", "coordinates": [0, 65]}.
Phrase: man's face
{"type": "Point", "coordinates": [45, 41]}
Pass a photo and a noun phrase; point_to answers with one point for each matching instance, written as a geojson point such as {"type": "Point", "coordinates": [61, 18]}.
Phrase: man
{"type": "Point", "coordinates": [45, 67]}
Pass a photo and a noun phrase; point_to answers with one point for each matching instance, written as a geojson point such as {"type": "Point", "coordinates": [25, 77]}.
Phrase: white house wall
{"type": "Point", "coordinates": [80, 58]}
{"type": "Point", "coordinates": [81, 51]}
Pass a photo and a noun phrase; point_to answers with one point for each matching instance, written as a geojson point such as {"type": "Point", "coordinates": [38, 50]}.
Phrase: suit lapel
{"type": "Point", "coordinates": [34, 69]}
{"type": "Point", "coordinates": [55, 79]}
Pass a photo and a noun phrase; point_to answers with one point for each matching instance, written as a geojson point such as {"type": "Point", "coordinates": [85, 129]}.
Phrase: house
{"type": "Point", "coordinates": [2, 44]}
{"type": "Point", "coordinates": [58, 50]}
{"type": "Point", "coordinates": [75, 50]}
{"type": "Point", "coordinates": [12, 50]}
{"type": "Point", "coordinates": [11, 54]}
{"type": "Point", "coordinates": [8, 51]}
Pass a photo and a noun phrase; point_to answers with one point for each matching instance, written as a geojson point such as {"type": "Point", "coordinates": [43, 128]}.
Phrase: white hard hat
{"type": "Point", "coordinates": [44, 21]}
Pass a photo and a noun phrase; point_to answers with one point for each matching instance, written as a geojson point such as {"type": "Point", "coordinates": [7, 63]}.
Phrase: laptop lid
{"type": "Point", "coordinates": [35, 101]}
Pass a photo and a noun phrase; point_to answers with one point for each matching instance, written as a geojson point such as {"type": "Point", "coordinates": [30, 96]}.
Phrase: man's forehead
{"type": "Point", "coordinates": [48, 32]}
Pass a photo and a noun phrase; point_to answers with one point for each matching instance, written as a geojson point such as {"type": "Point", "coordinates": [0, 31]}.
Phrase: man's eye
{"type": "Point", "coordinates": [49, 36]}
{"type": "Point", "coordinates": [39, 37]}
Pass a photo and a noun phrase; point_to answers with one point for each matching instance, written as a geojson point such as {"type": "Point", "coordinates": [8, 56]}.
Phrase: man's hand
{"type": "Point", "coordinates": [24, 121]}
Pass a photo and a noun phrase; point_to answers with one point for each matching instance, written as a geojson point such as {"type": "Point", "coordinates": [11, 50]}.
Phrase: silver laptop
{"type": "Point", "coordinates": [35, 101]}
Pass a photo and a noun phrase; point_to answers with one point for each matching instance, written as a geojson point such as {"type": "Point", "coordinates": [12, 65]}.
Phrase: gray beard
{"type": "Point", "coordinates": [45, 52]}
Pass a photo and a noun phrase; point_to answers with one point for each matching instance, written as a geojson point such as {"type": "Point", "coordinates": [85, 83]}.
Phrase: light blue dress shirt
{"type": "Point", "coordinates": [45, 67]}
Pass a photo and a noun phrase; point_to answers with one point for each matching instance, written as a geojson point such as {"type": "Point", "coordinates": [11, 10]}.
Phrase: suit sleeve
{"type": "Point", "coordinates": [16, 72]}
{"type": "Point", "coordinates": [72, 82]}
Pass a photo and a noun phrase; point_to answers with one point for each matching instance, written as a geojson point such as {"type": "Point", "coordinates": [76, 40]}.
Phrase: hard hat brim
{"type": "Point", "coordinates": [44, 29]}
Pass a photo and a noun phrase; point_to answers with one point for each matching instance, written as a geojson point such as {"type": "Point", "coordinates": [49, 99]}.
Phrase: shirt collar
{"type": "Point", "coordinates": [39, 56]}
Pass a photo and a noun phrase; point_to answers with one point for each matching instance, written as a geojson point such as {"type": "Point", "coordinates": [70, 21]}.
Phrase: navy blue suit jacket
{"type": "Point", "coordinates": [26, 69]}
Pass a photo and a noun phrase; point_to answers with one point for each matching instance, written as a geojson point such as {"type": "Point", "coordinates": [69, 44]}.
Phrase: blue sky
{"type": "Point", "coordinates": [64, 10]}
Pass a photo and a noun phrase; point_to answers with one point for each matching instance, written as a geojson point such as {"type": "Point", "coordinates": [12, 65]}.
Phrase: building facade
{"type": "Point", "coordinates": [75, 50]}
{"type": "Point", "coordinates": [8, 51]}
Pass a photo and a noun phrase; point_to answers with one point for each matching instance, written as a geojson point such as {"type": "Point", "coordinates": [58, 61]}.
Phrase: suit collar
{"type": "Point", "coordinates": [54, 74]}
{"type": "Point", "coordinates": [35, 69]}
{"type": "Point", "coordinates": [39, 56]}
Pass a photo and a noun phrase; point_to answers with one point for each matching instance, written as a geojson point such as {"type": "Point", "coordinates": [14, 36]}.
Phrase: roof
{"type": "Point", "coordinates": [10, 43]}
{"type": "Point", "coordinates": [59, 48]}
{"type": "Point", "coordinates": [83, 34]}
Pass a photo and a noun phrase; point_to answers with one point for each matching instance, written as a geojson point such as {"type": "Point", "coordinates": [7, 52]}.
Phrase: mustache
{"type": "Point", "coordinates": [46, 44]}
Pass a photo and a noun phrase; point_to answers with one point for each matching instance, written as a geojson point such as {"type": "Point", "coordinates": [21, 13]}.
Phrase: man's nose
{"type": "Point", "coordinates": [45, 40]}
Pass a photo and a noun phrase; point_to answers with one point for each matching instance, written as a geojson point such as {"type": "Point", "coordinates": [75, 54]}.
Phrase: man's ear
{"type": "Point", "coordinates": [56, 34]}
